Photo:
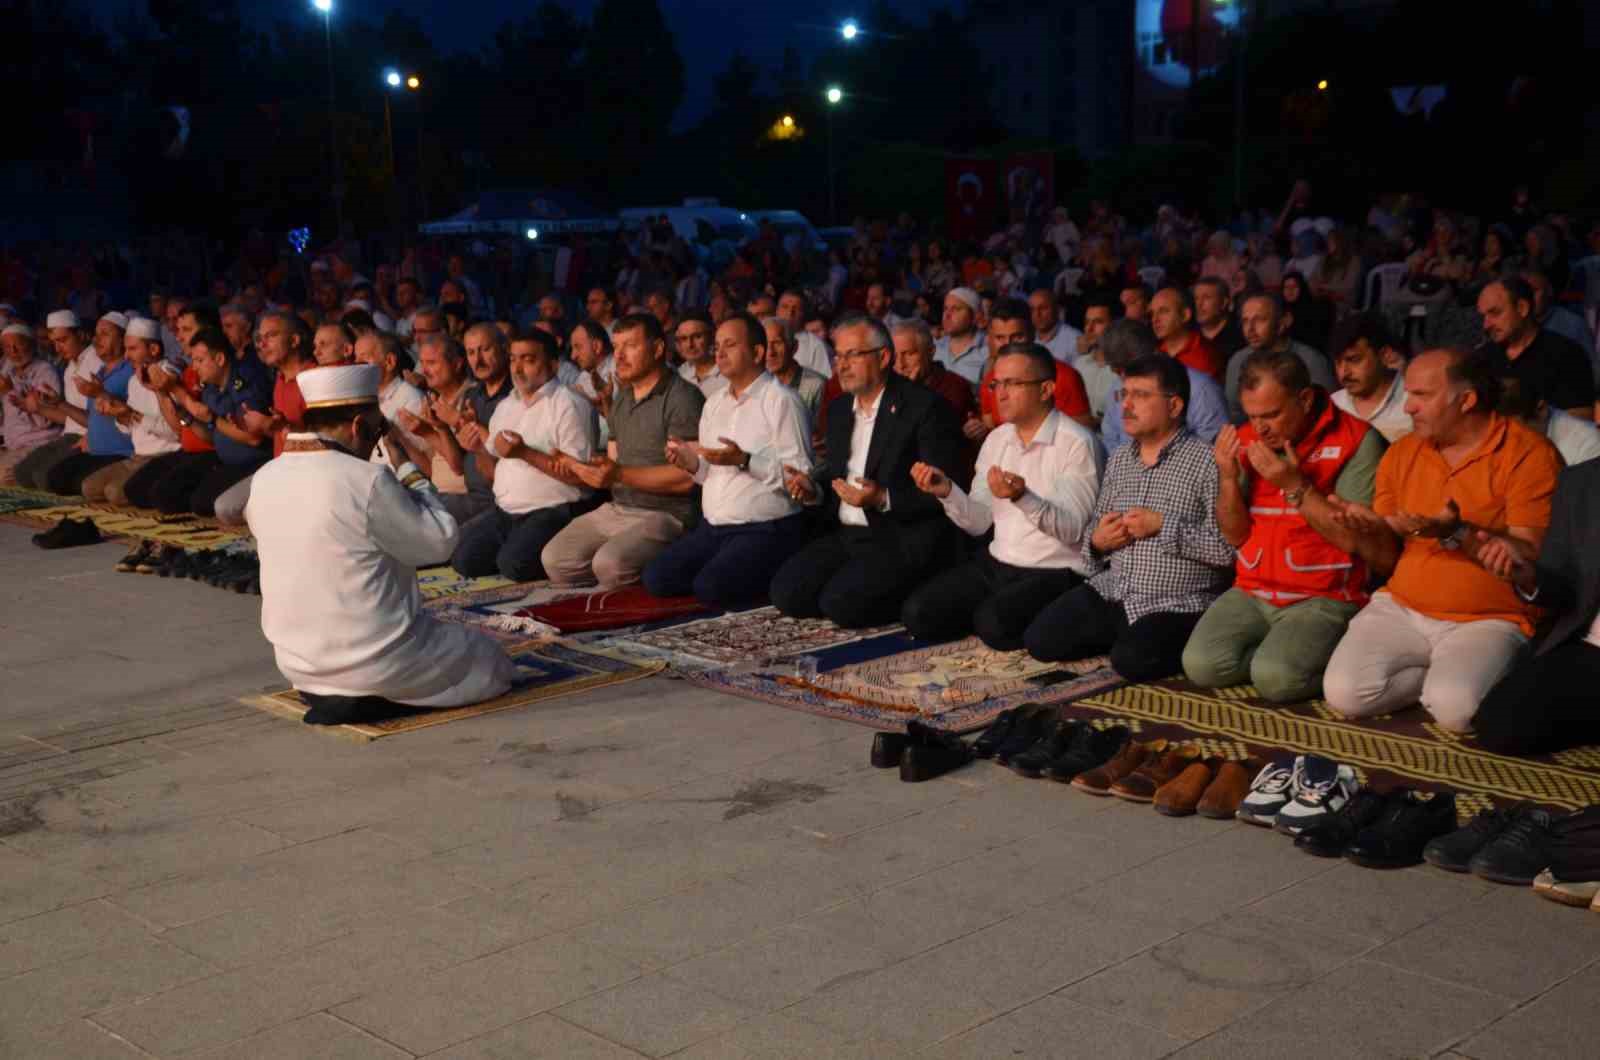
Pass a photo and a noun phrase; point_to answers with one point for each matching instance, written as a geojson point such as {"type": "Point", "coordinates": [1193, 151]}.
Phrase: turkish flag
{"type": "Point", "coordinates": [972, 197]}
{"type": "Point", "coordinates": [1030, 186]}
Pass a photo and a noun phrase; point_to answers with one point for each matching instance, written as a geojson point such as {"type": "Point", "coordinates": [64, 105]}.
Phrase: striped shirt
{"type": "Point", "coordinates": [1187, 564]}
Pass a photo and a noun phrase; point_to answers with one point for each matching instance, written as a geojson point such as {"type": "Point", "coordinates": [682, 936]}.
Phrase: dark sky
{"type": "Point", "coordinates": [706, 29]}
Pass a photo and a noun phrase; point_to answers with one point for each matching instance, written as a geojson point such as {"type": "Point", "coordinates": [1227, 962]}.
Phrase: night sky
{"type": "Point", "coordinates": [706, 31]}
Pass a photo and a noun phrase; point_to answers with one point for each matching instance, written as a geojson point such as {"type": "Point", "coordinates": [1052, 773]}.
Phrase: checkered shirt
{"type": "Point", "coordinates": [1187, 564]}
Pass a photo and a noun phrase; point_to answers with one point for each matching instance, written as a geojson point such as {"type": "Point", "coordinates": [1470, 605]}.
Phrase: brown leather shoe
{"type": "Point", "coordinates": [1098, 781]}
{"type": "Point", "coordinates": [1141, 784]}
{"type": "Point", "coordinates": [1178, 796]}
{"type": "Point", "coordinates": [1228, 789]}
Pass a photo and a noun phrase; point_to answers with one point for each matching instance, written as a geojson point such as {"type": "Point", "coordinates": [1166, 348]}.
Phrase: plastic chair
{"type": "Point", "coordinates": [1382, 283]}
{"type": "Point", "coordinates": [1067, 282]}
{"type": "Point", "coordinates": [1153, 276]}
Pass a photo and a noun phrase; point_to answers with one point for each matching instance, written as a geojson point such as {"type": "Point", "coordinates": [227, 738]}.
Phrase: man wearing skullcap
{"type": "Point", "coordinates": [139, 417]}
{"type": "Point", "coordinates": [79, 361]}
{"type": "Point", "coordinates": [103, 440]}
{"type": "Point", "coordinates": [23, 374]}
{"type": "Point", "coordinates": [340, 540]}
{"type": "Point", "coordinates": [963, 348]}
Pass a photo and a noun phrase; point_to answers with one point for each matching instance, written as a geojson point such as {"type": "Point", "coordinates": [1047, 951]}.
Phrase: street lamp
{"type": "Point", "coordinates": [326, 9]}
{"type": "Point", "coordinates": [391, 78]}
{"type": "Point", "coordinates": [850, 30]}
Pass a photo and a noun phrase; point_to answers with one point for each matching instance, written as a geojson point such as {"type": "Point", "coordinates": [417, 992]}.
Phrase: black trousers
{"type": "Point", "coordinates": [497, 542]}
{"type": "Point", "coordinates": [984, 596]}
{"type": "Point", "coordinates": [67, 477]}
{"type": "Point", "coordinates": [166, 482]}
{"type": "Point", "coordinates": [1546, 703]}
{"type": "Point", "coordinates": [1083, 623]}
{"type": "Point", "coordinates": [847, 578]}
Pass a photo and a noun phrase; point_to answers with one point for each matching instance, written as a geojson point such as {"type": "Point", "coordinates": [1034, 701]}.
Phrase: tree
{"type": "Point", "coordinates": [633, 80]}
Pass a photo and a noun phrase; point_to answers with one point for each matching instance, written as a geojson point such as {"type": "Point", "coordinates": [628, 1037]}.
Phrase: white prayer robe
{"type": "Point", "coordinates": [340, 541]}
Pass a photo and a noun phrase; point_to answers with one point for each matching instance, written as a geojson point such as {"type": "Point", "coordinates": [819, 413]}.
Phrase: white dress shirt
{"type": "Point", "coordinates": [811, 352]}
{"type": "Point", "coordinates": [1043, 528]}
{"type": "Point", "coordinates": [769, 422]}
{"type": "Point", "coordinates": [710, 383]}
{"type": "Point", "coordinates": [152, 435]}
{"type": "Point", "coordinates": [968, 365]}
{"type": "Point", "coordinates": [860, 442]}
{"type": "Point", "coordinates": [398, 395]}
{"type": "Point", "coordinates": [340, 541]}
{"type": "Point", "coordinates": [1063, 345]}
{"type": "Point", "coordinates": [1577, 440]}
{"type": "Point", "coordinates": [555, 418]}
{"type": "Point", "coordinates": [1097, 380]}
{"type": "Point", "coordinates": [87, 364]}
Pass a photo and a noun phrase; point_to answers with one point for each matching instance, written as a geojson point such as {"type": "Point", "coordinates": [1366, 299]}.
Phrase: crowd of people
{"type": "Point", "coordinates": [1225, 469]}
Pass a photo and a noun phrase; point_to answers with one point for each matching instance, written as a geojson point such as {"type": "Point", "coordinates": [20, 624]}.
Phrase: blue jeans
{"type": "Point", "coordinates": [726, 567]}
{"type": "Point", "coordinates": [497, 542]}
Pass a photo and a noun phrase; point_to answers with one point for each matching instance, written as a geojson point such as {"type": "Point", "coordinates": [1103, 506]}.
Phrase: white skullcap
{"type": "Point", "coordinates": [61, 318]}
{"type": "Point", "coordinates": [968, 296]}
{"type": "Point", "coordinates": [18, 329]}
{"type": "Point", "coordinates": [118, 320]}
{"type": "Point", "coordinates": [357, 280]}
{"type": "Point", "coordinates": [384, 322]}
{"type": "Point", "coordinates": [345, 384]}
{"type": "Point", "coordinates": [144, 328]}
{"type": "Point", "coordinates": [359, 303]}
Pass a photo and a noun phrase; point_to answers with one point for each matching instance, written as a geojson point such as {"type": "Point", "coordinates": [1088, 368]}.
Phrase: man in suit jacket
{"type": "Point", "coordinates": [1547, 702]}
{"type": "Point", "coordinates": [882, 535]}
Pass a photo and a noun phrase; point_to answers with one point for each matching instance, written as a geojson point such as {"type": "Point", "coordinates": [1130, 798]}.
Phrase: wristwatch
{"type": "Point", "coordinates": [1293, 497]}
{"type": "Point", "coordinates": [1455, 539]}
{"type": "Point", "coordinates": [744, 465]}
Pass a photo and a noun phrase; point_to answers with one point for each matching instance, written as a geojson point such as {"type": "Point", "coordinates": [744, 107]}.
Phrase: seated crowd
{"type": "Point", "coordinates": [1181, 484]}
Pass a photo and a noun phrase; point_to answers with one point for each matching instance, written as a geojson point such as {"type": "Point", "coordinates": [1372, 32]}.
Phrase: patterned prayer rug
{"type": "Point", "coordinates": [545, 670]}
{"type": "Point", "coordinates": [743, 639]}
{"type": "Point", "coordinates": [885, 681]}
{"type": "Point", "coordinates": [185, 531]}
{"type": "Point", "coordinates": [441, 581]}
{"type": "Point", "coordinates": [611, 609]}
{"type": "Point", "coordinates": [17, 499]}
{"type": "Point", "coordinates": [1406, 748]}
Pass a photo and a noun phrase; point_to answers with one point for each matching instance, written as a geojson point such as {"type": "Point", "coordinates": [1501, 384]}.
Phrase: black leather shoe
{"type": "Point", "coordinates": [1027, 732]}
{"type": "Point", "coordinates": [1090, 749]}
{"type": "Point", "coordinates": [1032, 762]}
{"type": "Point", "coordinates": [941, 753]}
{"type": "Point", "coordinates": [1519, 853]}
{"type": "Point", "coordinates": [999, 730]}
{"type": "Point", "coordinates": [69, 533]}
{"type": "Point", "coordinates": [1453, 852]}
{"type": "Point", "coordinates": [154, 559]}
{"type": "Point", "coordinates": [887, 747]}
{"type": "Point", "coordinates": [1406, 825]}
{"type": "Point", "coordinates": [1329, 839]}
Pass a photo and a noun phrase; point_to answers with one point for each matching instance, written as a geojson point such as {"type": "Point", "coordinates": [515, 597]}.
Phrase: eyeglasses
{"type": "Point", "coordinates": [1120, 395]}
{"type": "Point", "coordinates": [857, 354]}
{"type": "Point", "coordinates": [997, 385]}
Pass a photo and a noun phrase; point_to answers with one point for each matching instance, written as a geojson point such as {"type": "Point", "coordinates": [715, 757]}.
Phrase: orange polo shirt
{"type": "Point", "coordinates": [1506, 481]}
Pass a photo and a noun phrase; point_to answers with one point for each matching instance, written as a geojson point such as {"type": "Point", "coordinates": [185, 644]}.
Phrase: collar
{"type": "Point", "coordinates": [1161, 457]}
{"type": "Point", "coordinates": [663, 381]}
{"type": "Point", "coordinates": [871, 410]}
{"type": "Point", "coordinates": [1494, 438]}
{"type": "Point", "coordinates": [539, 395]}
{"type": "Point", "coordinates": [753, 390]}
{"type": "Point", "coordinates": [980, 343]}
{"type": "Point", "coordinates": [1046, 434]}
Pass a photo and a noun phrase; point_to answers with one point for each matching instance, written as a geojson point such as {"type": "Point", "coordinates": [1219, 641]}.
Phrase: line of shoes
{"type": "Point", "coordinates": [921, 753]}
{"type": "Point", "coordinates": [238, 572]}
{"type": "Point", "coordinates": [69, 533]}
{"type": "Point", "coordinates": [1557, 854]}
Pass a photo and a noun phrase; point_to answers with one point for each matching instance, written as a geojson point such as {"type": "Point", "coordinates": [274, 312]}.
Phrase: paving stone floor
{"type": "Point", "coordinates": [654, 870]}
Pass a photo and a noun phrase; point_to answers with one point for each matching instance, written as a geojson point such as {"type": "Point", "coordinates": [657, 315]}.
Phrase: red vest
{"type": "Point", "coordinates": [1284, 560]}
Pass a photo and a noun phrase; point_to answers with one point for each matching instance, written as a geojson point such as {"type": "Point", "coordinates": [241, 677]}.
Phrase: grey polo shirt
{"type": "Point", "coordinates": [640, 429]}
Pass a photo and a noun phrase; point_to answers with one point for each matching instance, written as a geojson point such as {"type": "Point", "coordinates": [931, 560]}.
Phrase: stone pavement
{"type": "Point", "coordinates": [655, 870]}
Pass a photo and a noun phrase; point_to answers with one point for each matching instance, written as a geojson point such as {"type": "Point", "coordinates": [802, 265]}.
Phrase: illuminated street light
{"type": "Point", "coordinates": [788, 121]}
{"type": "Point", "coordinates": [850, 29]}
{"type": "Point", "coordinates": [391, 78]}
{"type": "Point", "coordinates": [325, 6]}
{"type": "Point", "coordinates": [413, 82]}
{"type": "Point", "coordinates": [835, 94]}
{"type": "Point", "coordinates": [533, 233]}
{"type": "Point", "coordinates": [1322, 86]}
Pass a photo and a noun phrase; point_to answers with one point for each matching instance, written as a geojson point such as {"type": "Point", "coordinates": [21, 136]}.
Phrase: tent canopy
{"type": "Point", "coordinates": [513, 212]}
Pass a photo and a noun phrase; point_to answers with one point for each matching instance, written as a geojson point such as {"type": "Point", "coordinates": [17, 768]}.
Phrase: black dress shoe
{"type": "Point", "coordinates": [1517, 854]}
{"type": "Point", "coordinates": [1032, 762]}
{"type": "Point", "coordinates": [1453, 852]}
{"type": "Point", "coordinates": [999, 730]}
{"type": "Point", "coordinates": [69, 533]}
{"type": "Point", "coordinates": [1406, 825]}
{"type": "Point", "coordinates": [1329, 839]}
{"type": "Point", "coordinates": [937, 755]}
{"type": "Point", "coordinates": [1027, 732]}
{"type": "Point", "coordinates": [887, 747]}
{"type": "Point", "coordinates": [1090, 749]}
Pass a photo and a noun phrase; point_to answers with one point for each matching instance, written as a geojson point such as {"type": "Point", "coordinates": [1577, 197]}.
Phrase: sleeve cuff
{"type": "Point", "coordinates": [702, 471]}
{"type": "Point", "coordinates": [1031, 505]}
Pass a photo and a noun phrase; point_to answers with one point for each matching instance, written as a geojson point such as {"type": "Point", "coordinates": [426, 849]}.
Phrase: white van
{"type": "Point", "coordinates": [792, 227]}
{"type": "Point", "coordinates": [702, 221]}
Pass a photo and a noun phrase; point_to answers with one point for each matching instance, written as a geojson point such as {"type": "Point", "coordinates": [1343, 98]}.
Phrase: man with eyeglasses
{"type": "Point", "coordinates": [884, 535]}
{"type": "Point", "coordinates": [693, 338]}
{"type": "Point", "coordinates": [1035, 486]}
{"type": "Point", "coordinates": [1154, 553]}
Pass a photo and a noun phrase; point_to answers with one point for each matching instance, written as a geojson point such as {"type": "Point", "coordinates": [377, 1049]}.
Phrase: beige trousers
{"type": "Point", "coordinates": [610, 546]}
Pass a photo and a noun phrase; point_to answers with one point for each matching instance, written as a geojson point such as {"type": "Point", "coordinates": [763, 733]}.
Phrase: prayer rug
{"type": "Point", "coordinates": [611, 609]}
{"type": "Point", "coordinates": [436, 582]}
{"type": "Point", "coordinates": [17, 499]}
{"type": "Point", "coordinates": [185, 531]}
{"type": "Point", "coordinates": [885, 681]}
{"type": "Point", "coordinates": [545, 670]}
{"type": "Point", "coordinates": [746, 640]}
{"type": "Point", "coordinates": [1405, 748]}
{"type": "Point", "coordinates": [494, 610]}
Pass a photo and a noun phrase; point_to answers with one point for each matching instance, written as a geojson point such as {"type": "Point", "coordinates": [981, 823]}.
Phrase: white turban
{"type": "Point", "coordinates": [61, 318]}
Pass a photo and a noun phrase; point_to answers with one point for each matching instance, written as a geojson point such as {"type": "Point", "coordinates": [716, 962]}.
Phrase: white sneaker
{"type": "Point", "coordinates": [1270, 792]}
{"type": "Point", "coordinates": [1321, 789]}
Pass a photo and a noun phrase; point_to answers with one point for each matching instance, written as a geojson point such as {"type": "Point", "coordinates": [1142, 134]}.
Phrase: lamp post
{"type": "Point", "coordinates": [326, 8]}
{"type": "Point", "coordinates": [392, 79]}
{"type": "Point", "coordinates": [834, 95]}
